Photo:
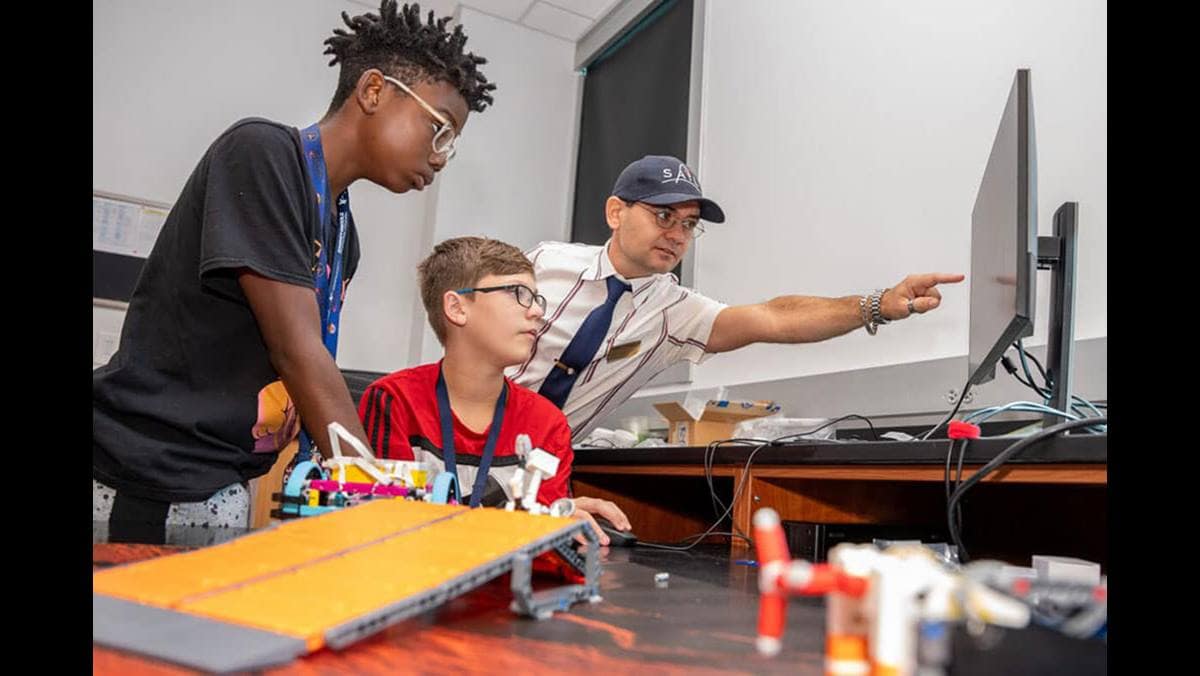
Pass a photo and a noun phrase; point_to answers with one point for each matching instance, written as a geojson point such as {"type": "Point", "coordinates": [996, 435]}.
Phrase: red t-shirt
{"type": "Point", "coordinates": [400, 414]}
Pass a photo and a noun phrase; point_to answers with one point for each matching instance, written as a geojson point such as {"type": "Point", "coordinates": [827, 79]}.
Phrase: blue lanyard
{"type": "Point", "coordinates": [327, 277]}
{"type": "Point", "coordinates": [446, 417]}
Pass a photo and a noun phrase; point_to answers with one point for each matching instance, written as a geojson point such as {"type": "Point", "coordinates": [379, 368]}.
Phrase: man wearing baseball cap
{"type": "Point", "coordinates": [616, 316]}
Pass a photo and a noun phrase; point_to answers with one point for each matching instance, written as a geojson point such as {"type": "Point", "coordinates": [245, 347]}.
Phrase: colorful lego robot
{"type": "Point", "coordinates": [889, 611]}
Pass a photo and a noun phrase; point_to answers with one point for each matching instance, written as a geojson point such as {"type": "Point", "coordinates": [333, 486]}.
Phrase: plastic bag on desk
{"type": "Point", "coordinates": [605, 438]}
{"type": "Point", "coordinates": [774, 426]}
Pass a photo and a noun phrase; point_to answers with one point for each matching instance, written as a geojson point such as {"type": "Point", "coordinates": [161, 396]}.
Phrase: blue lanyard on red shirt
{"type": "Point", "coordinates": [446, 417]}
{"type": "Point", "coordinates": [327, 276]}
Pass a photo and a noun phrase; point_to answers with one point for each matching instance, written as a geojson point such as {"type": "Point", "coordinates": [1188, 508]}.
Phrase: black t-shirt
{"type": "Point", "coordinates": [190, 402]}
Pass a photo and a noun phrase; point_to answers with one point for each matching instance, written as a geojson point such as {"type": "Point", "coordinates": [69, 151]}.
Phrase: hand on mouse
{"type": "Point", "coordinates": [586, 507]}
{"type": "Point", "coordinates": [603, 537]}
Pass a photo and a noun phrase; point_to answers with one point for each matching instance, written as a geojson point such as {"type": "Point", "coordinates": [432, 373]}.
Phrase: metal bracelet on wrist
{"type": "Point", "coordinates": [876, 315]}
{"type": "Point", "coordinates": [864, 314]}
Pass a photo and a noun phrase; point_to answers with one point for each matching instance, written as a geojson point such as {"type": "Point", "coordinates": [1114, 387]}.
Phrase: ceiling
{"type": "Point", "coordinates": [566, 19]}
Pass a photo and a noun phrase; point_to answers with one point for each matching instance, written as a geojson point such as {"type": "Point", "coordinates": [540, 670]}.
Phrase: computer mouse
{"type": "Point", "coordinates": [617, 538]}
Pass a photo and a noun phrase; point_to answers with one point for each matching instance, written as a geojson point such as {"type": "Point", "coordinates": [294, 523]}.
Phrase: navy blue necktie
{"type": "Point", "coordinates": [583, 346]}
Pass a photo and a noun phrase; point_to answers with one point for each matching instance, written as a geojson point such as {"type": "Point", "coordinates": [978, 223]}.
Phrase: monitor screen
{"type": "Point", "coordinates": [1004, 238]}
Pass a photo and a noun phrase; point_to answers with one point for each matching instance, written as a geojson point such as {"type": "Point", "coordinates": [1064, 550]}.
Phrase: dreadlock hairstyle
{"type": "Point", "coordinates": [403, 47]}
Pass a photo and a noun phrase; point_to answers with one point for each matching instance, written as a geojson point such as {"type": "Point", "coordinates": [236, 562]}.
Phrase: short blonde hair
{"type": "Point", "coordinates": [459, 263]}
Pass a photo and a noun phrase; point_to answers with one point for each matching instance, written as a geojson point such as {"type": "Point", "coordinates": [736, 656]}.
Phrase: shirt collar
{"type": "Point", "coordinates": [602, 268]}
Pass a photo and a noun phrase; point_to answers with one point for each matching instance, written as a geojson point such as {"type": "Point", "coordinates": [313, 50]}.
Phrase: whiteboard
{"type": "Point", "coordinates": [124, 230]}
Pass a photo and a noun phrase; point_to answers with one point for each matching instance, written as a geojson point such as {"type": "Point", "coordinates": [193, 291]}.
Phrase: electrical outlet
{"type": "Point", "coordinates": [952, 397]}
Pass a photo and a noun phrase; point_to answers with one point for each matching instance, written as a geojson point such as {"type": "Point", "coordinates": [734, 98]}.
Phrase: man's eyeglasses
{"type": "Point", "coordinates": [444, 135]}
{"type": "Point", "coordinates": [525, 295]}
{"type": "Point", "coordinates": [666, 218]}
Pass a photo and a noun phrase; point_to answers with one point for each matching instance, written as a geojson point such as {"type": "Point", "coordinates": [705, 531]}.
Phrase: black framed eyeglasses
{"type": "Point", "coordinates": [524, 295]}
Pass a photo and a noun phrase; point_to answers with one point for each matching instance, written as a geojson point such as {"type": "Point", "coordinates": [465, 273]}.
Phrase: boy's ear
{"type": "Point", "coordinates": [454, 308]}
{"type": "Point", "coordinates": [368, 90]}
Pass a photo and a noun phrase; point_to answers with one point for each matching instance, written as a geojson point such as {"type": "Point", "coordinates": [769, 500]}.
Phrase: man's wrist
{"type": "Point", "coordinates": [864, 315]}
{"type": "Point", "coordinates": [870, 310]}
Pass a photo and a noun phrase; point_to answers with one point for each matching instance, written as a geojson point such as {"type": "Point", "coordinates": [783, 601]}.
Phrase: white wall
{"type": "Point", "coordinates": [846, 142]}
{"type": "Point", "coordinates": [512, 176]}
{"type": "Point", "coordinates": [383, 296]}
{"type": "Point", "coordinates": [168, 78]}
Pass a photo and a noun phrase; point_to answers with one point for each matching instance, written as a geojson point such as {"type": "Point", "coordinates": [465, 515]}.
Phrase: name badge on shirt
{"type": "Point", "coordinates": [624, 351]}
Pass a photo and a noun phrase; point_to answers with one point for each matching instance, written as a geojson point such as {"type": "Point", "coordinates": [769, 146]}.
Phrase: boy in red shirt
{"type": "Point", "coordinates": [482, 302]}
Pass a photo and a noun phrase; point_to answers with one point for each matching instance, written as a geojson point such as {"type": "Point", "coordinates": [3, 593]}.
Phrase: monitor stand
{"type": "Point", "coordinates": [1058, 253]}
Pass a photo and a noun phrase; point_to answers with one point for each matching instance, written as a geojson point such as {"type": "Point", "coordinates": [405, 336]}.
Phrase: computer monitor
{"type": "Point", "coordinates": [1004, 244]}
{"type": "Point", "coordinates": [1006, 253]}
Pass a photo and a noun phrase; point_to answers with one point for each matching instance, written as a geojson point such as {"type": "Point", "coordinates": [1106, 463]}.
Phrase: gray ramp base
{"type": "Point", "coordinates": [188, 640]}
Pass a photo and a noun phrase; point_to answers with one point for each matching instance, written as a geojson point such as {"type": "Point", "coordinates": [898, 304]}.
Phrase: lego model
{"type": "Point", "coordinates": [378, 545]}
{"type": "Point", "coordinates": [344, 481]}
{"type": "Point", "coordinates": [889, 611]}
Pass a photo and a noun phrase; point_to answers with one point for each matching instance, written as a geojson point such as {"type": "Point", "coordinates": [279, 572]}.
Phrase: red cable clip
{"type": "Point", "coordinates": [962, 430]}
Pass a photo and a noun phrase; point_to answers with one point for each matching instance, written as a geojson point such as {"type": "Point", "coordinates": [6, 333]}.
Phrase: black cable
{"type": "Point", "coordinates": [946, 474]}
{"type": "Point", "coordinates": [966, 388]}
{"type": "Point", "coordinates": [710, 454]}
{"type": "Point", "coordinates": [698, 537]}
{"type": "Point", "coordinates": [962, 454]}
{"type": "Point", "coordinates": [1025, 356]}
{"type": "Point", "coordinates": [709, 460]}
{"type": "Point", "coordinates": [1021, 346]}
{"type": "Point", "coordinates": [1012, 370]}
{"type": "Point", "coordinates": [1028, 381]}
{"type": "Point", "coordinates": [710, 451]}
{"type": "Point", "coordinates": [835, 421]}
{"type": "Point", "coordinates": [1046, 392]}
{"type": "Point", "coordinates": [1000, 459]}
{"type": "Point", "coordinates": [708, 478]}
{"type": "Point", "coordinates": [1040, 392]}
{"type": "Point", "coordinates": [736, 492]}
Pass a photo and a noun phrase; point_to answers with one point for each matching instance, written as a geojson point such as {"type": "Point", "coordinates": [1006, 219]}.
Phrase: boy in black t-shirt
{"type": "Point", "coordinates": [227, 350]}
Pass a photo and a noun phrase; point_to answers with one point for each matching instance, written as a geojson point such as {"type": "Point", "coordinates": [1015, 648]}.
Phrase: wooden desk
{"type": "Point", "coordinates": [703, 621]}
{"type": "Point", "coordinates": [1051, 499]}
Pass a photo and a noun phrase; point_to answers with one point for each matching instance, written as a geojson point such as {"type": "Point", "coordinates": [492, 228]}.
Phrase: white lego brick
{"type": "Point", "coordinates": [1018, 572]}
{"type": "Point", "coordinates": [1066, 569]}
{"type": "Point", "coordinates": [524, 445]}
{"type": "Point", "coordinates": [543, 462]}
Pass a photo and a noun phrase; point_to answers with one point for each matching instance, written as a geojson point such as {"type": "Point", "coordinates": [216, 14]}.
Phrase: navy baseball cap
{"type": "Point", "coordinates": [661, 180]}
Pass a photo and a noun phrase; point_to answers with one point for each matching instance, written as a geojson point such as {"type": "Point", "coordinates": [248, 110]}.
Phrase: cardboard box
{"type": "Point", "coordinates": [716, 422]}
